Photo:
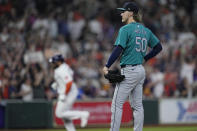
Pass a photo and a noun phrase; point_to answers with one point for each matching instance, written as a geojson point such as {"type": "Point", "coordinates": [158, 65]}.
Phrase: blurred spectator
{"type": "Point", "coordinates": [147, 87]}
{"type": "Point", "coordinates": [194, 85]}
{"type": "Point", "coordinates": [62, 47]}
{"type": "Point", "coordinates": [187, 74]}
{"type": "Point", "coordinates": [183, 88]}
{"type": "Point", "coordinates": [187, 70]}
{"type": "Point", "coordinates": [4, 35]}
{"type": "Point", "coordinates": [75, 25]}
{"type": "Point", "coordinates": [170, 82]}
{"type": "Point", "coordinates": [52, 26]}
{"type": "Point", "coordinates": [157, 79]}
{"type": "Point", "coordinates": [26, 91]}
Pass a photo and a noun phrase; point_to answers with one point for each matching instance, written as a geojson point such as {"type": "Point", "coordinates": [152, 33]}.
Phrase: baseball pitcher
{"type": "Point", "coordinates": [131, 43]}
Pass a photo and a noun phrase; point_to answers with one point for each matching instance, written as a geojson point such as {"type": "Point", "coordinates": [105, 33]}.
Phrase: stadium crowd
{"type": "Point", "coordinates": [84, 31]}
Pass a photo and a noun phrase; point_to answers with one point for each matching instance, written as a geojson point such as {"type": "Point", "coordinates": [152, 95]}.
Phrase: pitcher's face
{"type": "Point", "coordinates": [125, 16]}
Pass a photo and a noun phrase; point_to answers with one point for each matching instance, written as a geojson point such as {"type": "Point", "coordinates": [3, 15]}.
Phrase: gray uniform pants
{"type": "Point", "coordinates": [131, 87]}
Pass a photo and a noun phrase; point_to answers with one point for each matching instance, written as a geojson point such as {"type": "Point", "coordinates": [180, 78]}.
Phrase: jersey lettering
{"type": "Point", "coordinates": [141, 44]}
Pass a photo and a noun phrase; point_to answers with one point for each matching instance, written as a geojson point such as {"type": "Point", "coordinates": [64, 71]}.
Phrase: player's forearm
{"type": "Point", "coordinates": [114, 55]}
{"type": "Point", "coordinates": [153, 52]}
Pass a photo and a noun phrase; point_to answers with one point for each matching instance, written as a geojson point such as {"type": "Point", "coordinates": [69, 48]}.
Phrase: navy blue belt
{"type": "Point", "coordinates": [123, 66]}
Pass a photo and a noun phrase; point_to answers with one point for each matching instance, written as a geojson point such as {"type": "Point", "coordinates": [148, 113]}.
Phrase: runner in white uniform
{"type": "Point", "coordinates": [67, 93]}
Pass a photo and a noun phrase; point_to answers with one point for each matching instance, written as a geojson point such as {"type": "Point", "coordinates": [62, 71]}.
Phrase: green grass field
{"type": "Point", "coordinates": [181, 128]}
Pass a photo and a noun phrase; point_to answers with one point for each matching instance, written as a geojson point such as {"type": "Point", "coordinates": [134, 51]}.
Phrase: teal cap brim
{"type": "Point", "coordinates": [120, 9]}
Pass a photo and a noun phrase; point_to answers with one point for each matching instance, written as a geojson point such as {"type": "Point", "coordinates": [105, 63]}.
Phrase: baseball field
{"type": "Point", "coordinates": [176, 128]}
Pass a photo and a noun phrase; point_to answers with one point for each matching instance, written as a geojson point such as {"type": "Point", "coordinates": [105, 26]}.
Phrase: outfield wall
{"type": "Point", "coordinates": [35, 114]}
{"type": "Point", "coordinates": [178, 111]}
{"type": "Point", "coordinates": [40, 113]}
{"type": "Point", "coordinates": [100, 113]}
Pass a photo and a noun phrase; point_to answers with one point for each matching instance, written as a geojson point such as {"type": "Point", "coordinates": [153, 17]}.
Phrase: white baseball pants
{"type": "Point", "coordinates": [131, 87]}
{"type": "Point", "coordinates": [63, 109]}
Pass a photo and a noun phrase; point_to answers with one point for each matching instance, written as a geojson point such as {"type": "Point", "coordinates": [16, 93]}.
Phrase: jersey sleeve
{"type": "Point", "coordinates": [153, 40]}
{"type": "Point", "coordinates": [57, 79]}
{"type": "Point", "coordinates": [122, 38]}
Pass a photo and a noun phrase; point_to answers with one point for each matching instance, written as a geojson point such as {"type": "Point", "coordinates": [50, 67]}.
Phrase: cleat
{"type": "Point", "coordinates": [84, 119]}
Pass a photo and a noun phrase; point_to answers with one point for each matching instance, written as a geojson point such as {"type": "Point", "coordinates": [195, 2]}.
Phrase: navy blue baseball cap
{"type": "Point", "coordinates": [56, 58]}
{"type": "Point", "coordinates": [129, 6]}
